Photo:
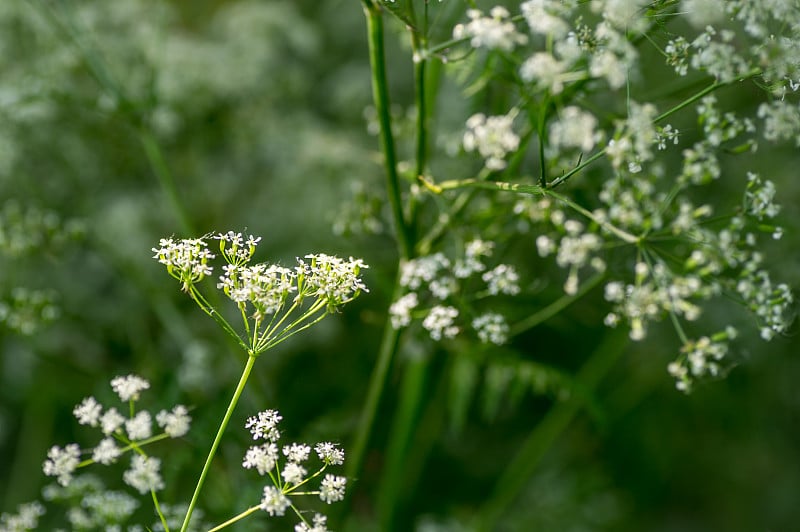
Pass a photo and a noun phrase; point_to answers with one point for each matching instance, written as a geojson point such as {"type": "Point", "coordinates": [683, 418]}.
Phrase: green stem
{"type": "Point", "coordinates": [232, 520]}
{"type": "Point", "coordinates": [226, 418]}
{"type": "Point", "coordinates": [555, 307]}
{"type": "Point", "coordinates": [380, 94]}
{"type": "Point", "coordinates": [522, 466]}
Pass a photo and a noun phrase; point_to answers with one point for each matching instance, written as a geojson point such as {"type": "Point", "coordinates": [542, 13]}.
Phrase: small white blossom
{"type": "Point", "coordinates": [491, 327]}
{"type": "Point", "coordinates": [495, 32]}
{"type": "Point", "coordinates": [186, 260]}
{"type": "Point", "coordinates": [296, 452]}
{"type": "Point", "coordinates": [274, 502]}
{"type": "Point", "coordinates": [111, 420]}
{"type": "Point", "coordinates": [106, 451]}
{"type": "Point", "coordinates": [422, 269]}
{"type": "Point", "coordinates": [293, 473]}
{"type": "Point", "coordinates": [88, 412]}
{"type": "Point", "coordinates": [332, 488]}
{"type": "Point", "coordinates": [261, 457]}
{"type": "Point", "coordinates": [319, 524]}
{"type": "Point", "coordinates": [62, 463]}
{"type": "Point", "coordinates": [175, 423]}
{"type": "Point", "coordinates": [129, 387]}
{"type": "Point", "coordinates": [329, 453]}
{"type": "Point", "coordinates": [264, 425]}
{"type": "Point", "coordinates": [545, 17]}
{"type": "Point", "coordinates": [26, 518]}
{"type": "Point", "coordinates": [493, 137]}
{"type": "Point", "coordinates": [144, 474]}
{"type": "Point", "coordinates": [400, 310]}
{"type": "Point", "coordinates": [574, 128]}
{"type": "Point", "coordinates": [140, 426]}
{"type": "Point", "coordinates": [503, 279]}
{"type": "Point", "coordinates": [439, 322]}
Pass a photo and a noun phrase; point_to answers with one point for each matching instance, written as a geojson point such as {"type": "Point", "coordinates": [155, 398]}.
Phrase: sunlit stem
{"type": "Point", "coordinates": [218, 438]}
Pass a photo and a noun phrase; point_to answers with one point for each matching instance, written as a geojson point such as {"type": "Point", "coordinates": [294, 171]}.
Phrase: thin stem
{"type": "Point", "coordinates": [239, 517]}
{"type": "Point", "coordinates": [555, 307]}
{"type": "Point", "coordinates": [380, 95]}
{"type": "Point", "coordinates": [228, 413]}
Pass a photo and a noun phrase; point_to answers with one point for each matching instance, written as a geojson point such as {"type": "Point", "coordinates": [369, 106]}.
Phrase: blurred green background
{"type": "Point", "coordinates": [261, 110]}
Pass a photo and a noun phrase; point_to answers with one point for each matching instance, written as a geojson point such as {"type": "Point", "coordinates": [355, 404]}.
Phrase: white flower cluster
{"type": "Point", "coordinates": [26, 518]}
{"type": "Point", "coordinates": [292, 475]}
{"type": "Point", "coordinates": [575, 245]}
{"type": "Point", "coordinates": [495, 32]}
{"type": "Point", "coordinates": [493, 137]}
{"type": "Point", "coordinates": [137, 429]}
{"type": "Point", "coordinates": [699, 358]}
{"type": "Point", "coordinates": [447, 280]}
{"type": "Point", "coordinates": [318, 285]}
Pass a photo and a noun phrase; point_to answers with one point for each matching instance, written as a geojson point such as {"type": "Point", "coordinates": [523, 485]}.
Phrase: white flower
{"type": "Point", "coordinates": [329, 453]}
{"type": "Point", "coordinates": [106, 452]}
{"type": "Point", "coordinates": [129, 387]}
{"type": "Point", "coordinates": [319, 525]}
{"type": "Point", "coordinates": [503, 279]}
{"type": "Point", "coordinates": [261, 457]}
{"type": "Point", "coordinates": [144, 476]}
{"type": "Point", "coordinates": [186, 260]}
{"type": "Point", "coordinates": [545, 70]}
{"type": "Point", "coordinates": [293, 473]}
{"type": "Point", "coordinates": [491, 327]}
{"type": "Point", "coordinates": [492, 137]}
{"type": "Point", "coordinates": [264, 425]}
{"type": "Point", "coordinates": [175, 423]}
{"type": "Point", "coordinates": [62, 463]}
{"type": "Point", "coordinates": [88, 412]}
{"type": "Point", "coordinates": [274, 502]}
{"type": "Point", "coordinates": [496, 32]}
{"type": "Point", "coordinates": [439, 322]}
{"type": "Point", "coordinates": [296, 452]}
{"type": "Point", "coordinates": [400, 310]}
{"type": "Point", "coordinates": [111, 420]}
{"type": "Point", "coordinates": [140, 426]}
{"type": "Point", "coordinates": [544, 17]}
{"type": "Point", "coordinates": [575, 128]}
{"type": "Point", "coordinates": [332, 488]}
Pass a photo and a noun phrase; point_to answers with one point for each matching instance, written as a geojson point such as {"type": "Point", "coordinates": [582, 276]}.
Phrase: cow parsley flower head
{"type": "Point", "coordinates": [265, 425]}
{"type": "Point", "coordinates": [332, 489]}
{"type": "Point", "coordinates": [129, 387]}
{"type": "Point", "coordinates": [88, 412]}
{"type": "Point", "coordinates": [262, 458]}
{"type": "Point", "coordinates": [274, 502]}
{"type": "Point", "coordinates": [186, 260]}
{"type": "Point", "coordinates": [144, 474]}
{"type": "Point", "coordinates": [175, 423]}
{"type": "Point", "coordinates": [336, 280]}
{"type": "Point", "coordinates": [495, 32]}
{"type": "Point", "coordinates": [329, 453]}
{"type": "Point", "coordinates": [440, 322]}
{"type": "Point", "coordinates": [493, 137]}
{"type": "Point", "coordinates": [62, 462]}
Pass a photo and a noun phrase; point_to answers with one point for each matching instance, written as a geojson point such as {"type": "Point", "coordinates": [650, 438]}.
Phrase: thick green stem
{"type": "Point", "coordinates": [522, 466]}
{"type": "Point", "coordinates": [223, 424]}
{"type": "Point", "coordinates": [380, 95]}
